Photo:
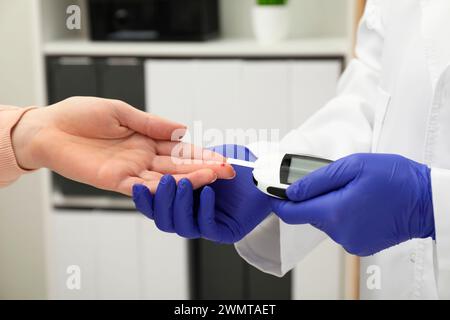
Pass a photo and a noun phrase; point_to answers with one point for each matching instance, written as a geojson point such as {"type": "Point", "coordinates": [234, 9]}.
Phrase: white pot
{"type": "Point", "coordinates": [270, 23]}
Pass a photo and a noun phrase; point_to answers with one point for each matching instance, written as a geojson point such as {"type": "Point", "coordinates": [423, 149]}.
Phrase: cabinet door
{"type": "Point", "coordinates": [71, 243]}
{"type": "Point", "coordinates": [115, 78]}
{"type": "Point", "coordinates": [263, 286]}
{"type": "Point", "coordinates": [121, 255]}
{"type": "Point", "coordinates": [313, 83]}
{"type": "Point", "coordinates": [117, 255]}
{"type": "Point", "coordinates": [169, 88]}
{"type": "Point", "coordinates": [104, 246]}
{"type": "Point", "coordinates": [222, 97]}
{"type": "Point", "coordinates": [68, 77]}
{"type": "Point", "coordinates": [218, 272]}
{"type": "Point", "coordinates": [216, 94]}
{"type": "Point", "coordinates": [264, 96]}
{"type": "Point", "coordinates": [163, 263]}
{"type": "Point", "coordinates": [243, 99]}
{"type": "Point", "coordinates": [71, 76]}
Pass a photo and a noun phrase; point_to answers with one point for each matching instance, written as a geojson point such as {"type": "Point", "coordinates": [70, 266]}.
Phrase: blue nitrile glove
{"type": "Point", "coordinates": [364, 202]}
{"type": "Point", "coordinates": [224, 212]}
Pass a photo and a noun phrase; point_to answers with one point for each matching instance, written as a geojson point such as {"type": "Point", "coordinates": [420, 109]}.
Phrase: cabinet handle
{"type": "Point", "coordinates": [82, 61]}
{"type": "Point", "coordinates": [122, 61]}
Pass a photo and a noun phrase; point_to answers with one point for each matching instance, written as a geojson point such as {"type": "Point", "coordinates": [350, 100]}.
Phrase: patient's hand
{"type": "Point", "coordinates": [110, 145]}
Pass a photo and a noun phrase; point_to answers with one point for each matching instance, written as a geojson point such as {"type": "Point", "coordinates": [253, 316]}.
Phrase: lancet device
{"type": "Point", "coordinates": [274, 173]}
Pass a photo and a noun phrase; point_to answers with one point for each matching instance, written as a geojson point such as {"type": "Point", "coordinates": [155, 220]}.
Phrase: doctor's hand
{"type": "Point", "coordinates": [110, 145]}
{"type": "Point", "coordinates": [364, 202]}
{"type": "Point", "coordinates": [224, 211]}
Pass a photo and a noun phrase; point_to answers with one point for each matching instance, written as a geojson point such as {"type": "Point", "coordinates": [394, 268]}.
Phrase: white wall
{"type": "Point", "coordinates": [309, 18]}
{"type": "Point", "coordinates": [22, 260]}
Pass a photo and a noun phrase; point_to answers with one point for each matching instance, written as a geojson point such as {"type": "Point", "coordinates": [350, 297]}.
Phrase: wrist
{"type": "Point", "coordinates": [25, 139]}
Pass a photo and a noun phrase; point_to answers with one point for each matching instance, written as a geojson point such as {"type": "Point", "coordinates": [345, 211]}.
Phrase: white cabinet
{"type": "Point", "coordinates": [264, 88]}
{"type": "Point", "coordinates": [117, 258]}
{"type": "Point", "coordinates": [164, 263]}
{"type": "Point", "coordinates": [313, 83]}
{"type": "Point", "coordinates": [120, 255]}
{"type": "Point", "coordinates": [239, 94]}
{"type": "Point", "coordinates": [71, 243]}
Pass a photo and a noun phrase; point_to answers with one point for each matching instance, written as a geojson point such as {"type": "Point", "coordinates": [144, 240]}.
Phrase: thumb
{"type": "Point", "coordinates": [326, 179]}
{"type": "Point", "coordinates": [206, 214]}
{"type": "Point", "coordinates": [143, 200]}
{"type": "Point", "coordinates": [148, 124]}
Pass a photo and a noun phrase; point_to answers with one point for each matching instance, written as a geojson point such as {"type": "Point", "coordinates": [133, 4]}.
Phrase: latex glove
{"type": "Point", "coordinates": [109, 145]}
{"type": "Point", "coordinates": [224, 212]}
{"type": "Point", "coordinates": [365, 202]}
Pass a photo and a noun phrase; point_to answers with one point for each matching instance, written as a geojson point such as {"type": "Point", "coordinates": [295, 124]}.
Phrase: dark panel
{"type": "Point", "coordinates": [262, 286]}
{"type": "Point", "coordinates": [71, 76]}
{"type": "Point", "coordinates": [69, 187]}
{"type": "Point", "coordinates": [123, 79]}
{"type": "Point", "coordinates": [153, 20]}
{"type": "Point", "coordinates": [218, 271]}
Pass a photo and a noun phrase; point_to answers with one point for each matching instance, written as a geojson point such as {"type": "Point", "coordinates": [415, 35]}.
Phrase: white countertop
{"type": "Point", "coordinates": [323, 47]}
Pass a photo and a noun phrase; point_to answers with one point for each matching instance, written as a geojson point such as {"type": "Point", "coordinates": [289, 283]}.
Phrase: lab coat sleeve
{"type": "Point", "coordinates": [343, 126]}
{"type": "Point", "coordinates": [440, 184]}
{"type": "Point", "coordinates": [9, 169]}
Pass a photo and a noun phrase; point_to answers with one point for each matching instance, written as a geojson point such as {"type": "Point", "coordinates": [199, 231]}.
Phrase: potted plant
{"type": "Point", "coordinates": [271, 21]}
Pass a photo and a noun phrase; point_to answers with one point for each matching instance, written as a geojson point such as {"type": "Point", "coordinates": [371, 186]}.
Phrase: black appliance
{"type": "Point", "coordinates": [153, 20]}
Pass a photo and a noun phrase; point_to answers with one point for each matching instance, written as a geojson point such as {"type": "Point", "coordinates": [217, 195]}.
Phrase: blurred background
{"type": "Point", "coordinates": [269, 64]}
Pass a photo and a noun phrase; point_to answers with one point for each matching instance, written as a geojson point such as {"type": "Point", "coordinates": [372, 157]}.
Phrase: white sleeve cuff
{"type": "Point", "coordinates": [440, 182]}
{"type": "Point", "coordinates": [261, 247]}
{"type": "Point", "coordinates": [276, 247]}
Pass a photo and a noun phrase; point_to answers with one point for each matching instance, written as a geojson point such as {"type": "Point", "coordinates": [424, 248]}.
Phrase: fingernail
{"type": "Point", "coordinates": [214, 179]}
{"type": "Point", "coordinates": [234, 174]}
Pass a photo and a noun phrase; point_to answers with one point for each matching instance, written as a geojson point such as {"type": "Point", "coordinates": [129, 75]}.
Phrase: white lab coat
{"type": "Point", "coordinates": [394, 98]}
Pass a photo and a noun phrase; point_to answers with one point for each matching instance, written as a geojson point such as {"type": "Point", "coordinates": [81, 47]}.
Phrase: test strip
{"type": "Point", "coordinates": [241, 163]}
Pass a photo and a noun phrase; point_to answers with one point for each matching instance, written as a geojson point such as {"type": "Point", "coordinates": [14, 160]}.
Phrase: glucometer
{"type": "Point", "coordinates": [274, 173]}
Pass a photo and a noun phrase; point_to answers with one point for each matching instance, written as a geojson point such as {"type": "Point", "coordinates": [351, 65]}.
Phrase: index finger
{"type": "Point", "coordinates": [185, 150]}
{"type": "Point", "coordinates": [171, 165]}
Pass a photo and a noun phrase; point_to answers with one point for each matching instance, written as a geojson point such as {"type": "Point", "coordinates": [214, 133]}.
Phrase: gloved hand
{"type": "Point", "coordinates": [224, 212]}
{"type": "Point", "coordinates": [365, 202]}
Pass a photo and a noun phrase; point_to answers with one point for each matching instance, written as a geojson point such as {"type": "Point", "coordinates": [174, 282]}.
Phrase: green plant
{"type": "Point", "coordinates": [271, 2]}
